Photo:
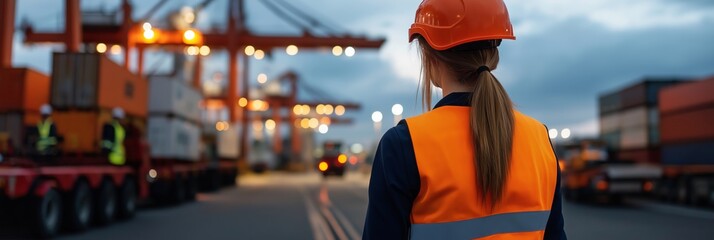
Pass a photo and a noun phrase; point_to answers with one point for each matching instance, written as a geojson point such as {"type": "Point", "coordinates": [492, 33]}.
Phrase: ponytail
{"type": "Point", "coordinates": [491, 113]}
{"type": "Point", "coordinates": [492, 127]}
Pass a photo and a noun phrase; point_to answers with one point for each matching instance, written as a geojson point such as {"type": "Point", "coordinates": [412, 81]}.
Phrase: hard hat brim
{"type": "Point", "coordinates": [440, 39]}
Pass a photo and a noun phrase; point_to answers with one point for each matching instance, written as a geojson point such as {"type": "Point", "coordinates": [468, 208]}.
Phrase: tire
{"type": "Point", "coordinates": [78, 207]}
{"type": "Point", "coordinates": [662, 189]}
{"type": "Point", "coordinates": [682, 191]}
{"type": "Point", "coordinates": [105, 204]}
{"type": "Point", "coordinates": [46, 213]}
{"type": "Point", "coordinates": [126, 204]}
{"type": "Point", "coordinates": [191, 188]}
{"type": "Point", "coordinates": [614, 199]}
{"type": "Point", "coordinates": [178, 190]}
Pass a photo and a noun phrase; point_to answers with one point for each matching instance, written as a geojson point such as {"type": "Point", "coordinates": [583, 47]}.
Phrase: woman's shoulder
{"type": "Point", "coordinates": [521, 117]}
{"type": "Point", "coordinates": [398, 134]}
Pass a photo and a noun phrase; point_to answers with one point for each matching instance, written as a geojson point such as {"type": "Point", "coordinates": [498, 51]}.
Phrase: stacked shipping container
{"type": "Point", "coordinates": [687, 123]}
{"type": "Point", "coordinates": [629, 120]}
{"type": "Point", "coordinates": [23, 92]}
{"type": "Point", "coordinates": [174, 129]}
{"type": "Point", "coordinates": [85, 86]}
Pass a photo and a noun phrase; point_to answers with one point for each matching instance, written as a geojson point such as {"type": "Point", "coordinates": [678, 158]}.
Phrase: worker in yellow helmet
{"type": "Point", "coordinates": [113, 136]}
{"type": "Point", "coordinates": [46, 141]}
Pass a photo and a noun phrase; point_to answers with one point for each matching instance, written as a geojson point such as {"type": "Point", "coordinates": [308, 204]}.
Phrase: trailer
{"type": "Point", "coordinates": [83, 190]}
{"type": "Point", "coordinates": [686, 114]}
{"type": "Point", "coordinates": [590, 173]}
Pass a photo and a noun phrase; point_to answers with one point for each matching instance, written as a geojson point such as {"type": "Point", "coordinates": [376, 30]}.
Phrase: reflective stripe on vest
{"type": "Point", "coordinates": [482, 227]}
{"type": "Point", "coordinates": [44, 140]}
{"type": "Point", "coordinates": [449, 206]}
{"type": "Point", "coordinates": [116, 156]}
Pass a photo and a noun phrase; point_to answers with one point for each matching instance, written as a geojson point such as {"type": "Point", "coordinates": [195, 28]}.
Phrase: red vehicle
{"type": "Point", "coordinates": [78, 186]}
{"type": "Point", "coordinates": [333, 161]}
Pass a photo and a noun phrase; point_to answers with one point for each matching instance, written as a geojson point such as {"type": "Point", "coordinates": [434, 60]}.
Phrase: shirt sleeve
{"type": "Point", "coordinates": [393, 186]}
{"type": "Point", "coordinates": [555, 228]}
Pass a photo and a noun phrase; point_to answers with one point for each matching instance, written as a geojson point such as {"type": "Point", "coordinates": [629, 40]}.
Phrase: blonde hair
{"type": "Point", "coordinates": [491, 113]}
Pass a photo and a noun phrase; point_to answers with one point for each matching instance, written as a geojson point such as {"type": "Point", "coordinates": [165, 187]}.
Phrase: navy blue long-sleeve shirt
{"type": "Point", "coordinates": [395, 184]}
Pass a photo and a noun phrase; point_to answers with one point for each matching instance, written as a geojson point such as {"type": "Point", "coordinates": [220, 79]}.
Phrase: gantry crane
{"type": "Point", "coordinates": [235, 39]}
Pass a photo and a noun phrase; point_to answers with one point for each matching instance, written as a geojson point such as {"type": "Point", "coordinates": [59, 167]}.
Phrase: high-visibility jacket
{"type": "Point", "coordinates": [114, 142]}
{"type": "Point", "coordinates": [423, 182]}
{"type": "Point", "coordinates": [45, 139]}
{"type": "Point", "coordinates": [449, 205]}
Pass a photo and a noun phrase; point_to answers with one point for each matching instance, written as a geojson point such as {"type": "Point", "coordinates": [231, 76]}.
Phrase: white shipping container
{"type": "Point", "coordinates": [173, 96]}
{"type": "Point", "coordinates": [610, 123]}
{"type": "Point", "coordinates": [635, 117]}
{"type": "Point", "coordinates": [228, 142]}
{"type": "Point", "coordinates": [635, 137]}
{"type": "Point", "coordinates": [173, 138]}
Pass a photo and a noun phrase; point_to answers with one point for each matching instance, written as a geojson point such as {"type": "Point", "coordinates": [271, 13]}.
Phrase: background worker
{"type": "Point", "coordinates": [46, 140]}
{"type": "Point", "coordinates": [113, 136]}
{"type": "Point", "coordinates": [473, 167]}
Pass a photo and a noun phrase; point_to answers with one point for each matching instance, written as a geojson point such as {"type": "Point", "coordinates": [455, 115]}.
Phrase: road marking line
{"type": "Point", "coordinates": [317, 223]}
{"type": "Point", "coordinates": [345, 222]}
{"type": "Point", "coordinates": [333, 222]}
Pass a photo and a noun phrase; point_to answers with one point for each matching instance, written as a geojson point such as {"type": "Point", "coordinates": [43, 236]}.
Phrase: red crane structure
{"type": "Point", "coordinates": [235, 39]}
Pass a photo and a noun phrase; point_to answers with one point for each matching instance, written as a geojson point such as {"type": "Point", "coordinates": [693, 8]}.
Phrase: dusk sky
{"type": "Point", "coordinates": [566, 53]}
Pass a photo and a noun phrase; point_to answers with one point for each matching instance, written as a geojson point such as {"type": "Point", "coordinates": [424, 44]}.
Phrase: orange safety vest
{"type": "Point", "coordinates": [448, 205]}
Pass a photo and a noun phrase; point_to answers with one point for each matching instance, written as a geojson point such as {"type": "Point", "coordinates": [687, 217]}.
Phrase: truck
{"type": "Point", "coordinates": [589, 172]}
{"type": "Point", "coordinates": [78, 186]}
{"type": "Point", "coordinates": [686, 124]}
{"type": "Point", "coordinates": [333, 161]}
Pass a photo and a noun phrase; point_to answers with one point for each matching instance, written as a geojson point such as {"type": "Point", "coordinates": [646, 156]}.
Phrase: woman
{"type": "Point", "coordinates": [472, 167]}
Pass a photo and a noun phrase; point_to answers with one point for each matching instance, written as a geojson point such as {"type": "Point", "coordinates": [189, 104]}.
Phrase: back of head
{"type": "Point", "coordinates": [465, 46]}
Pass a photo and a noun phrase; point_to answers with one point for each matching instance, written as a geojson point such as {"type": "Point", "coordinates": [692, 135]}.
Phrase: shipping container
{"type": "Point", "coordinates": [82, 130]}
{"type": "Point", "coordinates": [93, 81]}
{"type": "Point", "coordinates": [688, 153]}
{"type": "Point", "coordinates": [634, 117]}
{"type": "Point", "coordinates": [23, 89]}
{"type": "Point", "coordinates": [174, 97]}
{"type": "Point", "coordinates": [645, 92]}
{"type": "Point", "coordinates": [173, 138]}
{"type": "Point", "coordinates": [644, 155]}
{"type": "Point", "coordinates": [680, 127]}
{"type": "Point", "coordinates": [687, 96]}
{"type": "Point", "coordinates": [612, 139]}
{"type": "Point", "coordinates": [14, 124]}
{"type": "Point", "coordinates": [610, 122]}
{"type": "Point", "coordinates": [228, 143]}
{"type": "Point", "coordinates": [633, 138]}
{"type": "Point", "coordinates": [610, 103]}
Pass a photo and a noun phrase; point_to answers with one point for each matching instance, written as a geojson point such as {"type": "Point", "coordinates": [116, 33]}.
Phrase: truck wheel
{"type": "Point", "coordinates": [213, 181]}
{"type": "Point", "coordinates": [683, 192]}
{"type": "Point", "coordinates": [662, 189]}
{"type": "Point", "coordinates": [106, 202]}
{"type": "Point", "coordinates": [78, 208]}
{"type": "Point", "coordinates": [191, 188]}
{"type": "Point", "coordinates": [126, 206]}
{"type": "Point", "coordinates": [178, 190]}
{"type": "Point", "coordinates": [46, 213]}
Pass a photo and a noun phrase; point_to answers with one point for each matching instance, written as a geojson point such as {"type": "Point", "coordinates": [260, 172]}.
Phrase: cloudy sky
{"type": "Point", "coordinates": [566, 53]}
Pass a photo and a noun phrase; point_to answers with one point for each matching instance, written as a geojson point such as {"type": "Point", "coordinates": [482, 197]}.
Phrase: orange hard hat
{"type": "Point", "coordinates": [449, 23]}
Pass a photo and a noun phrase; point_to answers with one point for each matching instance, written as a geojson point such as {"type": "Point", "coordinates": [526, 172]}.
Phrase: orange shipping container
{"type": "Point", "coordinates": [23, 89]}
{"type": "Point", "coordinates": [82, 130]}
{"type": "Point", "coordinates": [93, 81]}
{"type": "Point", "coordinates": [685, 96]}
{"type": "Point", "coordinates": [689, 126]}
